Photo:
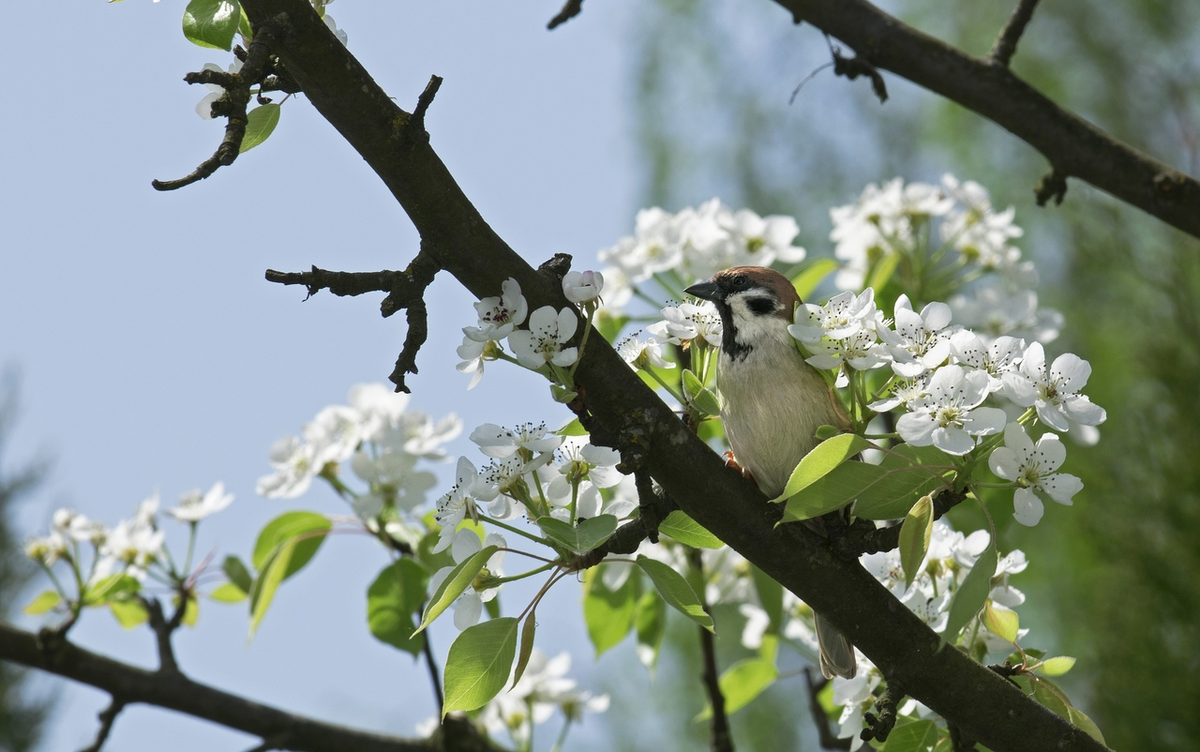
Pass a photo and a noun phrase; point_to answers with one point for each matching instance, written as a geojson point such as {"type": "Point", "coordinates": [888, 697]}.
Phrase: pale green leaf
{"type": "Point", "coordinates": [212, 23]}
{"type": "Point", "coordinates": [883, 271]}
{"type": "Point", "coordinates": [581, 538]}
{"type": "Point", "coordinates": [305, 529]}
{"type": "Point", "coordinates": [478, 664]}
{"type": "Point", "coordinates": [260, 123]}
{"type": "Point", "coordinates": [608, 614]}
{"type": "Point", "coordinates": [675, 591]}
{"type": "Point", "coordinates": [915, 532]}
{"type": "Point", "coordinates": [393, 603]}
{"type": "Point", "coordinates": [687, 531]}
{"type": "Point", "coordinates": [459, 579]}
{"type": "Point", "coordinates": [228, 593]}
{"type": "Point", "coordinates": [812, 274]}
{"type": "Point", "coordinates": [971, 594]}
{"type": "Point", "coordinates": [912, 472]}
{"type": "Point", "coordinates": [1001, 621]}
{"type": "Point", "coordinates": [47, 600]}
{"type": "Point", "coordinates": [574, 428]}
{"type": "Point", "coordinates": [114, 586]}
{"type": "Point", "coordinates": [129, 612]}
{"type": "Point", "coordinates": [1057, 666]}
{"type": "Point", "coordinates": [818, 463]}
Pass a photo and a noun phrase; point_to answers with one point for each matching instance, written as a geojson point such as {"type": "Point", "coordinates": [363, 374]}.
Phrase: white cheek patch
{"type": "Point", "coordinates": [750, 325]}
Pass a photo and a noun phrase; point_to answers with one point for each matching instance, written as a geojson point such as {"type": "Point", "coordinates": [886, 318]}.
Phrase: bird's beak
{"type": "Point", "coordinates": [705, 291]}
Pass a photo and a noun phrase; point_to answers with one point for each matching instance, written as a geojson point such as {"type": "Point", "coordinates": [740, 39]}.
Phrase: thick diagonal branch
{"type": "Point", "coordinates": [462, 243]}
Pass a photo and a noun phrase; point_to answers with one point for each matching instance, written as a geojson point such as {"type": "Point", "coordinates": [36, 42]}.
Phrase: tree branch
{"type": "Point", "coordinates": [719, 724]}
{"type": "Point", "coordinates": [1006, 43]}
{"type": "Point", "coordinates": [461, 242]}
{"type": "Point", "coordinates": [1074, 147]}
{"type": "Point", "coordinates": [130, 684]}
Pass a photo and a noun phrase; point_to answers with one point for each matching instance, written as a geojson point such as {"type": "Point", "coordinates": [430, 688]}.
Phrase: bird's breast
{"type": "Point", "coordinates": [772, 404]}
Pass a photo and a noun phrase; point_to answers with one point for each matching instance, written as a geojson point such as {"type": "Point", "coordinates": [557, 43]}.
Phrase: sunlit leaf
{"type": "Point", "coordinates": [818, 463]}
{"type": "Point", "coordinates": [650, 625]}
{"type": "Point", "coordinates": [807, 280]}
{"type": "Point", "coordinates": [459, 579]}
{"type": "Point", "coordinates": [915, 532]}
{"type": "Point", "coordinates": [581, 538]}
{"type": "Point", "coordinates": [527, 634]}
{"type": "Point", "coordinates": [478, 664]}
{"type": "Point", "coordinates": [1057, 666]}
{"type": "Point", "coordinates": [742, 683]}
{"type": "Point", "coordinates": [47, 600]}
{"type": "Point", "coordinates": [228, 593]}
{"type": "Point", "coordinates": [675, 591]}
{"type": "Point", "coordinates": [260, 123]}
{"type": "Point", "coordinates": [687, 531]}
{"type": "Point", "coordinates": [129, 612]}
{"type": "Point", "coordinates": [1001, 622]}
{"type": "Point", "coordinates": [608, 614]}
{"type": "Point", "coordinates": [393, 603]}
{"type": "Point", "coordinates": [212, 23]}
{"type": "Point", "coordinates": [915, 736]}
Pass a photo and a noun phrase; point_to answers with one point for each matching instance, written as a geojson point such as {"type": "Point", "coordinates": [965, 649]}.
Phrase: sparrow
{"type": "Point", "coordinates": [772, 402]}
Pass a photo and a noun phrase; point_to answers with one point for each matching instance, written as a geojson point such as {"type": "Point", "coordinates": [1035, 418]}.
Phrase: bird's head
{"type": "Point", "coordinates": [756, 305]}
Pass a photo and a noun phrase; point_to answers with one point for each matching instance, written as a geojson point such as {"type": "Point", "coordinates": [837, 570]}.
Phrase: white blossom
{"type": "Point", "coordinates": [543, 342]}
{"type": "Point", "coordinates": [195, 506]}
{"type": "Point", "coordinates": [1032, 467]}
{"type": "Point", "coordinates": [582, 287]}
{"type": "Point", "coordinates": [1054, 392]}
{"type": "Point", "coordinates": [949, 416]}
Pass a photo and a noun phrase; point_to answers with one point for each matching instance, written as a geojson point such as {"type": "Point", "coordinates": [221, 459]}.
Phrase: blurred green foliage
{"type": "Point", "coordinates": [21, 717]}
{"type": "Point", "coordinates": [1114, 580]}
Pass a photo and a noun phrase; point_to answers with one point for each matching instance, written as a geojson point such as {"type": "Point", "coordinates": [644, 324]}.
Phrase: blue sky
{"type": "Point", "coordinates": [153, 355]}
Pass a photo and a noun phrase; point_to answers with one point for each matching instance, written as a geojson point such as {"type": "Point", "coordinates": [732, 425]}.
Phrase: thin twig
{"type": "Point", "coordinates": [722, 741]}
{"type": "Point", "coordinates": [878, 727]}
{"type": "Point", "coordinates": [434, 679]}
{"type": "Point", "coordinates": [232, 106]}
{"type": "Point", "coordinates": [107, 717]}
{"type": "Point", "coordinates": [423, 102]}
{"type": "Point", "coordinates": [569, 10]}
{"type": "Point", "coordinates": [1006, 43]}
{"type": "Point", "coordinates": [162, 632]}
{"type": "Point", "coordinates": [825, 736]}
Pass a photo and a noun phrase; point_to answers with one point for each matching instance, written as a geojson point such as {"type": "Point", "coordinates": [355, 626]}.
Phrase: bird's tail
{"type": "Point", "coordinates": [837, 654]}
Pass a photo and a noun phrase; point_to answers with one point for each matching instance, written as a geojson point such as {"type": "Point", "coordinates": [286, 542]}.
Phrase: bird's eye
{"type": "Point", "coordinates": [739, 281]}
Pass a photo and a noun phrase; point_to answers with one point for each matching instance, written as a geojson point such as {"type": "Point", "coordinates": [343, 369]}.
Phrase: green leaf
{"type": "Point", "coordinates": [580, 538]}
{"type": "Point", "coordinates": [527, 633]}
{"type": "Point", "coordinates": [1057, 666]}
{"type": "Point", "coordinates": [306, 529]}
{"type": "Point", "coordinates": [459, 579]}
{"type": "Point", "coordinates": [812, 274]}
{"type": "Point", "coordinates": [1077, 716]}
{"type": "Point", "coordinates": [742, 683]}
{"type": "Point", "coordinates": [917, 736]}
{"type": "Point", "coordinates": [914, 538]}
{"type": "Point", "coordinates": [191, 611]}
{"type": "Point", "coordinates": [650, 625]}
{"type": "Point", "coordinates": [43, 603]}
{"type": "Point", "coordinates": [609, 325]}
{"type": "Point", "coordinates": [883, 271]}
{"type": "Point", "coordinates": [883, 491]}
{"type": "Point", "coordinates": [1001, 622]}
{"type": "Point", "coordinates": [574, 428]}
{"type": "Point", "coordinates": [113, 586]}
{"type": "Point", "coordinates": [912, 472]}
{"type": "Point", "coordinates": [818, 463]}
{"type": "Point", "coordinates": [237, 573]}
{"type": "Point", "coordinates": [260, 122]}
{"type": "Point", "coordinates": [478, 664]}
{"type": "Point", "coordinates": [228, 593]}
{"type": "Point", "coordinates": [212, 23]}
{"type": "Point", "coordinates": [393, 602]}
{"type": "Point", "coordinates": [698, 395]}
{"type": "Point", "coordinates": [687, 531]}
{"type": "Point", "coordinates": [129, 612]}
{"type": "Point", "coordinates": [607, 613]}
{"type": "Point", "coordinates": [971, 594]}
{"type": "Point", "coordinates": [675, 591]}
{"type": "Point", "coordinates": [284, 546]}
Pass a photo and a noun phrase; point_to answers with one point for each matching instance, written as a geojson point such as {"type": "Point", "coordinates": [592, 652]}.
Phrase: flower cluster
{"type": "Point", "coordinates": [544, 344]}
{"type": "Point", "coordinates": [384, 443]}
{"type": "Point", "coordinates": [677, 249]}
{"type": "Point", "coordinates": [111, 564]}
